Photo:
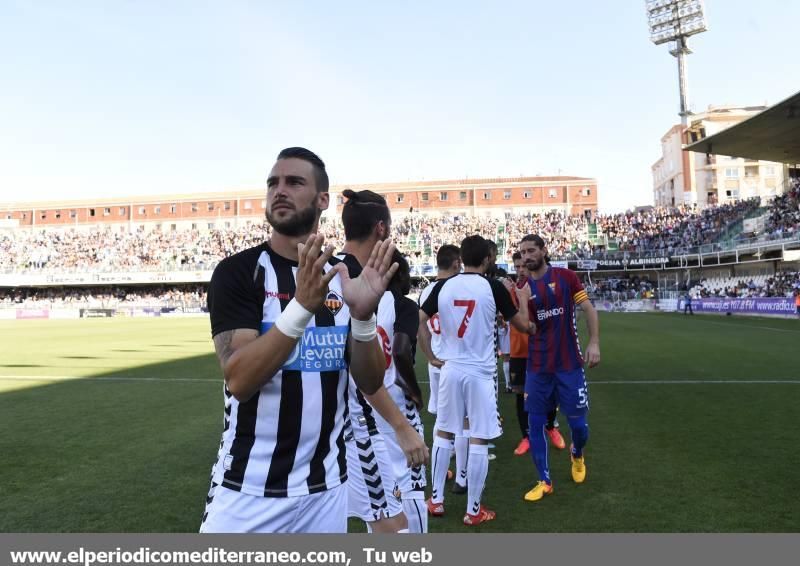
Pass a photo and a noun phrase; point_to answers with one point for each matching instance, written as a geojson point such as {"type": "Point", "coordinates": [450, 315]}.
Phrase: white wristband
{"type": "Point", "coordinates": [364, 330]}
{"type": "Point", "coordinates": [293, 320]}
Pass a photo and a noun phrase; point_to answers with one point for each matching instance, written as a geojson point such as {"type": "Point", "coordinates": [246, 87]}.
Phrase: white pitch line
{"type": "Point", "coordinates": [694, 382]}
{"type": "Point", "coordinates": [99, 378]}
{"type": "Point", "coordinates": [706, 319]}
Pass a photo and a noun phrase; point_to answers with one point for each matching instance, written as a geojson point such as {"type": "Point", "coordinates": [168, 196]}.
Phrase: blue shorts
{"type": "Point", "coordinates": [565, 389]}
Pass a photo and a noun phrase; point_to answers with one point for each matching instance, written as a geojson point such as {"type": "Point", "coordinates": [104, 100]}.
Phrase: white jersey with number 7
{"type": "Point", "coordinates": [467, 305]}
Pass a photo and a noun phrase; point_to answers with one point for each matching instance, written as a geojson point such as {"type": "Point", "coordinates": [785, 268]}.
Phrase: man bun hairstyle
{"type": "Point", "coordinates": [362, 212]}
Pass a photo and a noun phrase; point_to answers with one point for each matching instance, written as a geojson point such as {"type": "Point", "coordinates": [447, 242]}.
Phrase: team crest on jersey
{"type": "Point", "coordinates": [334, 303]}
{"type": "Point", "coordinates": [552, 286]}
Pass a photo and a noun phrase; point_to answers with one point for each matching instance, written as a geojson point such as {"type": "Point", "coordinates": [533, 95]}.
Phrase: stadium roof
{"type": "Point", "coordinates": [771, 135]}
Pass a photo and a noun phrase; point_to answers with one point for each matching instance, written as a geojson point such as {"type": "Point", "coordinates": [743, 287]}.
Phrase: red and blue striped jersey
{"type": "Point", "coordinates": [555, 346]}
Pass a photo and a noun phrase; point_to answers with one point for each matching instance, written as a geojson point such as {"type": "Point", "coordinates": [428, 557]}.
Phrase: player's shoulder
{"type": "Point", "coordinates": [243, 261]}
{"type": "Point", "coordinates": [350, 261]}
{"type": "Point", "coordinates": [564, 273]}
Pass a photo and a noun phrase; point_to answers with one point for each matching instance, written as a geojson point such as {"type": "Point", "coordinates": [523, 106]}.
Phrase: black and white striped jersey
{"type": "Point", "coordinates": [287, 440]}
{"type": "Point", "coordinates": [362, 415]}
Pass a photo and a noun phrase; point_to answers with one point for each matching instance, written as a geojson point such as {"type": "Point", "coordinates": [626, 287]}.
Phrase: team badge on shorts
{"type": "Point", "coordinates": [397, 493]}
{"type": "Point", "coordinates": [334, 303]}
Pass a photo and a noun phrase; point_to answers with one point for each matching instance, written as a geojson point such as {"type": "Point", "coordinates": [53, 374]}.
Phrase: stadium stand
{"type": "Point", "coordinates": [657, 231]}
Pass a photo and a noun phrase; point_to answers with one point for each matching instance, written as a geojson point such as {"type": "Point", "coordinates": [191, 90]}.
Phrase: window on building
{"type": "Point", "coordinates": [769, 170]}
{"type": "Point", "coordinates": [58, 214]}
{"type": "Point", "coordinates": [173, 227]}
{"type": "Point", "coordinates": [73, 213]}
{"type": "Point", "coordinates": [43, 215]}
{"type": "Point", "coordinates": [210, 207]}
{"type": "Point", "coordinates": [227, 205]}
{"type": "Point", "coordinates": [194, 226]}
{"type": "Point", "coordinates": [423, 197]}
{"type": "Point", "coordinates": [227, 225]}
{"type": "Point", "coordinates": [443, 195]}
{"type": "Point", "coordinates": [156, 210]}
{"type": "Point", "coordinates": [122, 211]}
{"type": "Point", "coordinates": [248, 205]}
{"type": "Point", "coordinates": [173, 208]}
{"type": "Point", "coordinates": [399, 197]}
{"type": "Point", "coordinates": [526, 194]}
{"type": "Point", "coordinates": [91, 212]}
{"type": "Point", "coordinates": [552, 193]}
{"type": "Point", "coordinates": [194, 207]}
{"type": "Point", "coordinates": [106, 211]}
{"type": "Point", "coordinates": [586, 191]}
{"type": "Point", "coordinates": [462, 195]}
{"type": "Point", "coordinates": [210, 225]}
{"type": "Point", "coordinates": [487, 195]}
{"type": "Point", "coordinates": [732, 172]}
{"type": "Point", "coordinates": [506, 195]}
{"type": "Point", "coordinates": [142, 210]}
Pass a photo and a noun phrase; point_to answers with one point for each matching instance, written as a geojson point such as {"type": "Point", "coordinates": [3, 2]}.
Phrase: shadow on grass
{"type": "Point", "coordinates": [96, 455]}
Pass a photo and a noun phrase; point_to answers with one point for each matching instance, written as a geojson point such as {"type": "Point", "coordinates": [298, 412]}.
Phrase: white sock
{"type": "Point", "coordinates": [417, 515]}
{"type": "Point", "coordinates": [439, 464]}
{"type": "Point", "coordinates": [506, 373]}
{"type": "Point", "coordinates": [462, 457]}
{"type": "Point", "coordinates": [403, 532]}
{"type": "Point", "coordinates": [477, 471]}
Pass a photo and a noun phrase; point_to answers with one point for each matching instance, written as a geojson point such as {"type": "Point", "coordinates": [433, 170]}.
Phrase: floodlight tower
{"type": "Point", "coordinates": [675, 20]}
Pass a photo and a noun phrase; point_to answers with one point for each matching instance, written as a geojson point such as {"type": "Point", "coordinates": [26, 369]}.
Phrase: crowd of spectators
{"type": "Point", "coordinates": [781, 284]}
{"type": "Point", "coordinates": [655, 231]}
{"type": "Point", "coordinates": [670, 231]}
{"type": "Point", "coordinates": [183, 296]}
{"type": "Point", "coordinates": [620, 288]}
{"type": "Point", "coordinates": [784, 216]}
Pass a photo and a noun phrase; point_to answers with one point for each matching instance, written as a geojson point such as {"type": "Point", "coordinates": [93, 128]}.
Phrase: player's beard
{"type": "Point", "coordinates": [532, 265]}
{"type": "Point", "coordinates": [295, 225]}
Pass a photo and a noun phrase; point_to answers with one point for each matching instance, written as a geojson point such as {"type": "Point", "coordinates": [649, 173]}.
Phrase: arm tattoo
{"type": "Point", "coordinates": [222, 343]}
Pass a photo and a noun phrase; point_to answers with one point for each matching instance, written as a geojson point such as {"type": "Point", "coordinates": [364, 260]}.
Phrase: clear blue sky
{"type": "Point", "coordinates": [112, 98]}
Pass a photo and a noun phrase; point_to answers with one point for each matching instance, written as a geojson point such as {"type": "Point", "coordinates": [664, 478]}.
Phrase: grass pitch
{"type": "Point", "coordinates": [111, 425]}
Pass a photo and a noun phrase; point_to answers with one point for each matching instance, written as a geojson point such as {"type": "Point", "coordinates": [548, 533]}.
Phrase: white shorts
{"type": "Point", "coordinates": [229, 511]}
{"type": "Point", "coordinates": [433, 398]}
{"type": "Point", "coordinates": [464, 395]}
{"type": "Point", "coordinates": [411, 481]}
{"type": "Point", "coordinates": [504, 342]}
{"type": "Point", "coordinates": [372, 492]}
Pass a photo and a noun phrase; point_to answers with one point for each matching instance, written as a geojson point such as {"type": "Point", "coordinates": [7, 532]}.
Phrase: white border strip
{"type": "Point", "coordinates": [216, 381]}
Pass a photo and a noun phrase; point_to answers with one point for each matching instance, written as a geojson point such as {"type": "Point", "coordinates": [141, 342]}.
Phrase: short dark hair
{"type": "Point", "coordinates": [515, 256]}
{"type": "Point", "coordinates": [320, 175]}
{"type": "Point", "coordinates": [447, 256]}
{"type": "Point", "coordinates": [492, 246]}
{"type": "Point", "coordinates": [474, 249]}
{"type": "Point", "coordinates": [362, 212]}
